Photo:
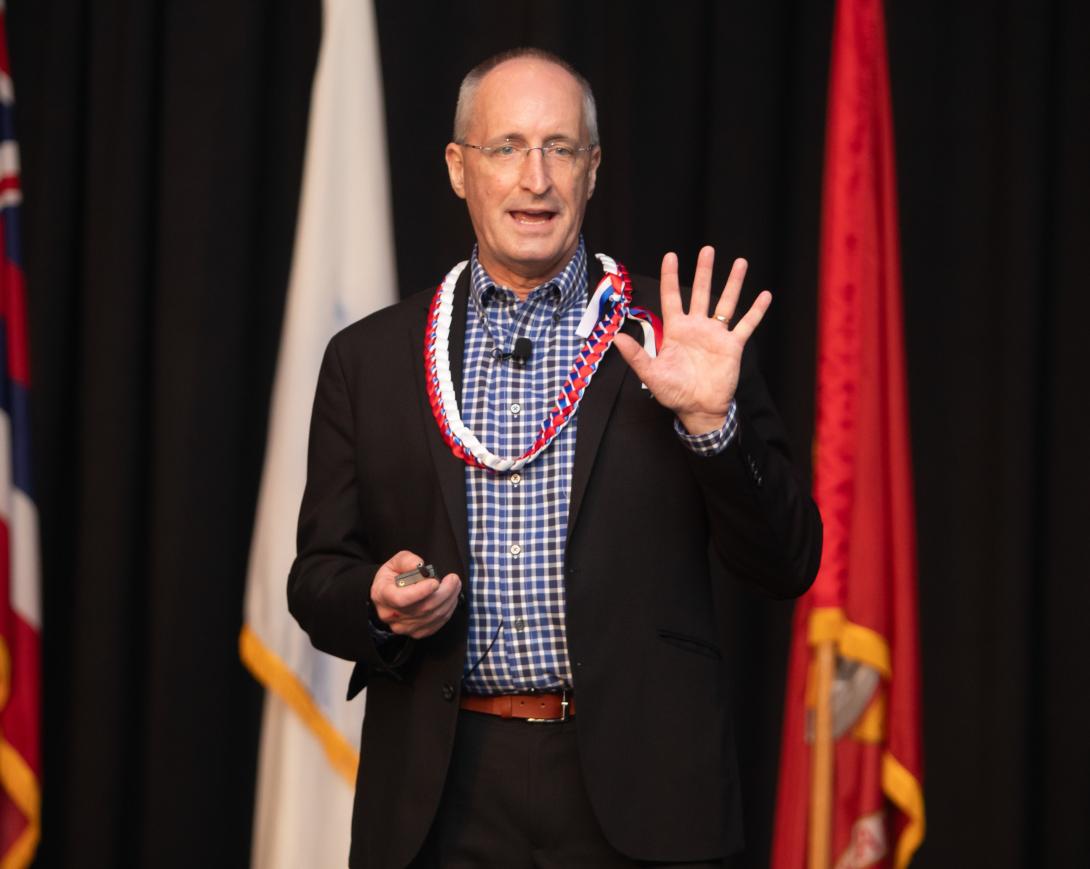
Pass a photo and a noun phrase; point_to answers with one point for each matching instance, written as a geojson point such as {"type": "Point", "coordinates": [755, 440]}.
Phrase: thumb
{"type": "Point", "coordinates": [403, 561]}
{"type": "Point", "coordinates": [634, 354]}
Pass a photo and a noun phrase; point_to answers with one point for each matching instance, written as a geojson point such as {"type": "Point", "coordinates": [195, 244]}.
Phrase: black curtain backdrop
{"type": "Point", "coordinates": [162, 148]}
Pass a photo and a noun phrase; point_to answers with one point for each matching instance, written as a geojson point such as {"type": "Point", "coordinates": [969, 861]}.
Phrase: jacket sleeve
{"type": "Point", "coordinates": [329, 586]}
{"type": "Point", "coordinates": [764, 525]}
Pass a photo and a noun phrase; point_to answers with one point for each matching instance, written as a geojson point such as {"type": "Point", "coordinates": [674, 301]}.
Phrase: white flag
{"type": "Point", "coordinates": [342, 269]}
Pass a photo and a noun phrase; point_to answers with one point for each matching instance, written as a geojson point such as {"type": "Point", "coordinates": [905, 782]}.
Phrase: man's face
{"type": "Point", "coordinates": [526, 213]}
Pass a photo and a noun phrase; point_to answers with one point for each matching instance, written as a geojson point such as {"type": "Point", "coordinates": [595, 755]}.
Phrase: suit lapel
{"type": "Point", "coordinates": [449, 470]}
{"type": "Point", "coordinates": [594, 412]}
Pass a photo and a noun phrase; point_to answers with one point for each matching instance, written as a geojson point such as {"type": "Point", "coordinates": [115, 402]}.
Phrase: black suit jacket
{"type": "Point", "coordinates": [653, 725]}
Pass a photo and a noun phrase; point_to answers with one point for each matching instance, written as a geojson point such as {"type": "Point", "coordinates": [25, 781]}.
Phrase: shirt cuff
{"type": "Point", "coordinates": [710, 443]}
{"type": "Point", "coordinates": [379, 634]}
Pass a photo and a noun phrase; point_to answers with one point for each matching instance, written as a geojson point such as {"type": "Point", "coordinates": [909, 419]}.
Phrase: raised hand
{"type": "Point", "coordinates": [696, 371]}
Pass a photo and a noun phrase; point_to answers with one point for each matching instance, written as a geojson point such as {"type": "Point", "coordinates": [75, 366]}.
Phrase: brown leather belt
{"type": "Point", "coordinates": [535, 708]}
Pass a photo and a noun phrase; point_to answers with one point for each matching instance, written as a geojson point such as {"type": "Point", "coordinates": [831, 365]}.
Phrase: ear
{"type": "Point", "coordinates": [592, 171]}
{"type": "Point", "coordinates": [456, 169]}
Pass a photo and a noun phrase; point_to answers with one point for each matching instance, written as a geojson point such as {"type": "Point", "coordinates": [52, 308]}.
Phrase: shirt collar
{"type": "Point", "coordinates": [568, 287]}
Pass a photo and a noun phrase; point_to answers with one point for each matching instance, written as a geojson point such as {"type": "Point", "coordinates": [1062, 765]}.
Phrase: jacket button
{"type": "Point", "coordinates": [448, 692]}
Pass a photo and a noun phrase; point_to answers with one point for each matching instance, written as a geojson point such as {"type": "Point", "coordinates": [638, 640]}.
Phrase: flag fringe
{"type": "Point", "coordinates": [21, 785]}
{"type": "Point", "coordinates": [905, 791]}
{"type": "Point", "coordinates": [871, 726]}
{"type": "Point", "coordinates": [278, 677]}
{"type": "Point", "coordinates": [898, 784]}
{"type": "Point", "coordinates": [852, 640]}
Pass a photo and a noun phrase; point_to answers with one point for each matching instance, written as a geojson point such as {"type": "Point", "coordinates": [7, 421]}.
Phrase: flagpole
{"type": "Point", "coordinates": [821, 779]}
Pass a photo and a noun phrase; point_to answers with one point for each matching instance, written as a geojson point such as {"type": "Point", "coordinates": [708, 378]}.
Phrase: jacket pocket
{"type": "Point", "coordinates": [690, 644]}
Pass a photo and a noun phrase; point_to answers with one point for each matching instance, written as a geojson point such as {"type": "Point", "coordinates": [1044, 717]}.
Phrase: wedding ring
{"type": "Point", "coordinates": [722, 320]}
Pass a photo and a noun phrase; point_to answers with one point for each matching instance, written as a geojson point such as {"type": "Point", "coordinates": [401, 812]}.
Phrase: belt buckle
{"type": "Point", "coordinates": [563, 712]}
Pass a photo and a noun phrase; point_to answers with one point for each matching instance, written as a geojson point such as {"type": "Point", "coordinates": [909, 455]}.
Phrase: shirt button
{"type": "Point", "coordinates": [448, 692]}
{"type": "Point", "coordinates": [520, 623]}
{"type": "Point", "coordinates": [516, 550]}
{"type": "Point", "coordinates": [516, 409]}
{"type": "Point", "coordinates": [516, 478]}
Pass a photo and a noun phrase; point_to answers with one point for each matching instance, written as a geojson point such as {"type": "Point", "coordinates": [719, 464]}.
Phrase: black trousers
{"type": "Point", "coordinates": [514, 799]}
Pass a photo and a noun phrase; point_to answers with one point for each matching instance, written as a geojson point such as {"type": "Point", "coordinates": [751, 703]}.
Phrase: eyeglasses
{"type": "Point", "coordinates": [510, 154]}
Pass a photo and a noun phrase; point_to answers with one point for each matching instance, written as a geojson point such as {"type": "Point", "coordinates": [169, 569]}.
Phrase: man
{"type": "Point", "coordinates": [555, 696]}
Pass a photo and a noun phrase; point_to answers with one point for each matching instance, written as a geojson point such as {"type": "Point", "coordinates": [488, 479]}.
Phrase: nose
{"type": "Point", "coordinates": [535, 172]}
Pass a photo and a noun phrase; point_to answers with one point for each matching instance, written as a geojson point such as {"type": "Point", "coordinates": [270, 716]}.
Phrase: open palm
{"type": "Point", "coordinates": [695, 373]}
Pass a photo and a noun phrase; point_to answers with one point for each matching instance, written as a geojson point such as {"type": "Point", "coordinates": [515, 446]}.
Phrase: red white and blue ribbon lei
{"type": "Point", "coordinates": [610, 305]}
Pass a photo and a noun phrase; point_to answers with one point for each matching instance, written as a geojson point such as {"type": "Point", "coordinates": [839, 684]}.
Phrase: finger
{"type": "Point", "coordinates": [753, 317]}
{"type": "Point", "coordinates": [426, 629]}
{"type": "Point", "coordinates": [384, 589]}
{"type": "Point", "coordinates": [728, 299]}
{"type": "Point", "coordinates": [436, 620]}
{"type": "Point", "coordinates": [401, 622]}
{"type": "Point", "coordinates": [402, 562]}
{"type": "Point", "coordinates": [448, 589]}
{"type": "Point", "coordinates": [634, 354]}
{"type": "Point", "coordinates": [407, 599]}
{"type": "Point", "coordinates": [428, 623]}
{"type": "Point", "coordinates": [439, 594]}
{"type": "Point", "coordinates": [702, 281]}
{"type": "Point", "coordinates": [669, 292]}
{"type": "Point", "coordinates": [383, 586]}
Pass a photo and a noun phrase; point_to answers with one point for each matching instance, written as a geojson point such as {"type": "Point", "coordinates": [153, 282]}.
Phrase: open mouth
{"type": "Point", "coordinates": [532, 217]}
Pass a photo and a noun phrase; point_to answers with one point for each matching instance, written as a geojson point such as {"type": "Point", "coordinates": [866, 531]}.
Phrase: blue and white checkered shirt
{"type": "Point", "coordinates": [518, 520]}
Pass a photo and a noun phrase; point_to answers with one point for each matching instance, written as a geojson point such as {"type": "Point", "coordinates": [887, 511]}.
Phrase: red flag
{"type": "Point", "coordinates": [20, 612]}
{"type": "Point", "coordinates": [864, 598]}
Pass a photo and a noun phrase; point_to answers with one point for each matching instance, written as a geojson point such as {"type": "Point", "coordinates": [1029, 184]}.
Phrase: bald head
{"type": "Point", "coordinates": [467, 93]}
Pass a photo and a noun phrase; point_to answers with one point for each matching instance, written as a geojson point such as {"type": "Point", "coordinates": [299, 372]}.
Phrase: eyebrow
{"type": "Point", "coordinates": [554, 137]}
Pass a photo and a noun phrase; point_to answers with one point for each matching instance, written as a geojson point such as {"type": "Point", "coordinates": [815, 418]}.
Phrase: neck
{"type": "Point", "coordinates": [523, 281]}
